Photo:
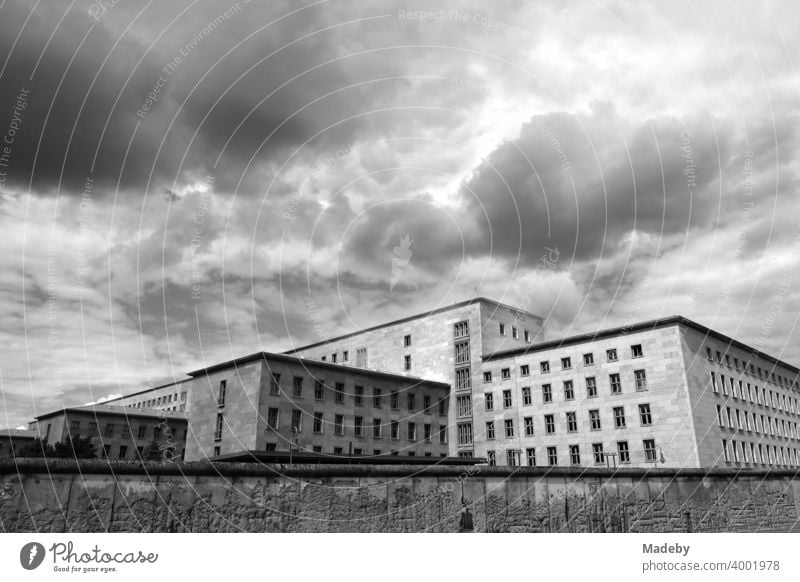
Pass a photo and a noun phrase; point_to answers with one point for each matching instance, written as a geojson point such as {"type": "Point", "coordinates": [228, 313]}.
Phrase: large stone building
{"type": "Point", "coordinates": [13, 440]}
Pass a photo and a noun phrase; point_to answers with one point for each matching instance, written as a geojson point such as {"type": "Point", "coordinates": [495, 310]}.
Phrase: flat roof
{"type": "Point", "coordinates": [118, 410]}
{"type": "Point", "coordinates": [411, 318]}
{"type": "Point", "coordinates": [150, 389]}
{"type": "Point", "coordinates": [18, 433]}
{"type": "Point", "coordinates": [637, 327]}
{"type": "Point", "coordinates": [307, 362]}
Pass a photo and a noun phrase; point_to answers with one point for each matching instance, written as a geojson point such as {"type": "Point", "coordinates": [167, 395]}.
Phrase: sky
{"type": "Point", "coordinates": [185, 182]}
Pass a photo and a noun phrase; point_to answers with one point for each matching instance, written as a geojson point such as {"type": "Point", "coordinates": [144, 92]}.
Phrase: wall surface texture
{"type": "Point", "coordinates": [198, 497]}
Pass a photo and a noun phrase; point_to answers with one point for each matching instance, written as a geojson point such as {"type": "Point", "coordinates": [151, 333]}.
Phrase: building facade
{"type": "Point", "coordinates": [13, 440]}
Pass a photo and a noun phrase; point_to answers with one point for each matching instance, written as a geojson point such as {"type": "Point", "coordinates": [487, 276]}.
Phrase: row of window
{"type": "Point", "coordinates": [515, 332]}
{"type": "Point", "coordinates": [759, 454]}
{"type": "Point", "coordinates": [744, 420]}
{"type": "Point", "coordinates": [598, 454]}
{"type": "Point", "coordinates": [524, 370]}
{"type": "Point", "coordinates": [162, 401]}
{"type": "Point", "coordinates": [357, 451]}
{"type": "Point", "coordinates": [595, 423]}
{"type": "Point", "coordinates": [752, 393]}
{"type": "Point", "coordinates": [361, 357]}
{"type": "Point", "coordinates": [360, 398]}
{"type": "Point", "coordinates": [124, 430]}
{"type": "Point", "coordinates": [106, 452]}
{"type": "Point", "coordinates": [750, 369]}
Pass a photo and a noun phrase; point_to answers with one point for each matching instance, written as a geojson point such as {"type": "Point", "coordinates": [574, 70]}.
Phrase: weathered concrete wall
{"type": "Point", "coordinates": [198, 497]}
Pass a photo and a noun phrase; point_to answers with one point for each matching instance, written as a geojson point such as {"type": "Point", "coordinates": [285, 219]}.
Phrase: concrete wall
{"type": "Point", "coordinates": [196, 497]}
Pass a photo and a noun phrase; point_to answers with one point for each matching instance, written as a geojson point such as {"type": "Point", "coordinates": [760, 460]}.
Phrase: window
{"type": "Point", "coordinates": [407, 362]}
{"type": "Point", "coordinates": [359, 396]}
{"type": "Point", "coordinates": [619, 417]}
{"type": "Point", "coordinates": [720, 421]}
{"type": "Point", "coordinates": [462, 352]}
{"type": "Point", "coordinates": [489, 400]}
{"type": "Point", "coordinates": [572, 422]}
{"type": "Point", "coordinates": [547, 393]}
{"type": "Point", "coordinates": [123, 451]}
{"type": "Point", "coordinates": [218, 428]}
{"type": "Point", "coordinates": [338, 425]}
{"type": "Point", "coordinates": [491, 458]}
{"type": "Point", "coordinates": [324, 359]}
{"type": "Point", "coordinates": [223, 386]}
{"type": "Point", "coordinates": [74, 427]}
{"type": "Point", "coordinates": [407, 341]}
{"type": "Point", "coordinates": [511, 457]}
{"type": "Point", "coordinates": [709, 355]}
{"type": "Point", "coordinates": [714, 386]}
{"type": "Point", "coordinates": [464, 405]}
{"type": "Point", "coordinates": [505, 373]}
{"type": "Point", "coordinates": [574, 455]}
{"type": "Point", "coordinates": [317, 428]}
{"type": "Point", "coordinates": [616, 385]}
{"type": "Point", "coordinates": [297, 387]}
{"type": "Point", "coordinates": [411, 402]}
{"type": "Point", "coordinates": [644, 415]}
{"type": "Point", "coordinates": [442, 434]}
{"type": "Point", "coordinates": [376, 428]}
{"type": "Point", "coordinates": [623, 452]}
{"type": "Point", "coordinates": [461, 329]}
{"type": "Point", "coordinates": [109, 430]}
{"type": "Point", "coordinates": [514, 332]}
{"type": "Point", "coordinates": [528, 420]}
{"type": "Point", "coordinates": [487, 377]}
{"type": "Point", "coordinates": [566, 363]}
{"type": "Point", "coordinates": [338, 450]}
{"type": "Point", "coordinates": [217, 451]}
{"type": "Point", "coordinates": [569, 392]}
{"type": "Point", "coordinates": [611, 355]}
{"type": "Point", "coordinates": [527, 399]}
{"type": "Point", "coordinates": [490, 430]}
{"type": "Point", "coordinates": [297, 417]}
{"type": "Point", "coordinates": [506, 398]}
{"type": "Point", "coordinates": [319, 392]}
{"type": "Point", "coordinates": [345, 354]}
{"type": "Point", "coordinates": [502, 329]}
{"type": "Point", "coordinates": [527, 336]}
{"type": "Point", "coordinates": [588, 359]}
{"type": "Point", "coordinates": [641, 380]}
{"type": "Point", "coordinates": [509, 424]}
{"type": "Point", "coordinates": [552, 456]}
{"type": "Point", "coordinates": [394, 401]}
{"type": "Point", "coordinates": [530, 454]}
{"type": "Point", "coordinates": [272, 418]}
{"type": "Point", "coordinates": [395, 429]}
{"type": "Point", "coordinates": [361, 357]}
{"type": "Point", "coordinates": [525, 370]}
{"type": "Point", "coordinates": [358, 426]}
{"type": "Point", "coordinates": [142, 431]}
{"type": "Point", "coordinates": [463, 380]}
{"type": "Point", "coordinates": [636, 351]}
{"type": "Point", "coordinates": [275, 384]}
{"type": "Point", "coordinates": [339, 393]}
{"type": "Point", "coordinates": [443, 406]}
{"type": "Point", "coordinates": [594, 419]}
{"type": "Point", "coordinates": [464, 434]}
{"type": "Point", "coordinates": [549, 424]}
{"type": "Point", "coordinates": [597, 451]}
{"type": "Point", "coordinates": [649, 450]}
{"type": "Point", "coordinates": [426, 404]}
{"type": "Point", "coordinates": [591, 387]}
{"type": "Point", "coordinates": [377, 398]}
{"type": "Point", "coordinates": [333, 358]}
{"type": "Point", "coordinates": [544, 367]}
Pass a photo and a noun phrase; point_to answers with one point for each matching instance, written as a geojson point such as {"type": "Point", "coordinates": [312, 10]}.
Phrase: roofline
{"type": "Point", "coordinates": [411, 318]}
{"type": "Point", "coordinates": [126, 411]}
{"type": "Point", "coordinates": [637, 327]}
{"type": "Point", "coordinates": [148, 390]}
{"type": "Point", "coordinates": [266, 356]}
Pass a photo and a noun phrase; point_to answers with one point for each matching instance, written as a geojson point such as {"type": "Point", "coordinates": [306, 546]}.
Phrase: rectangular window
{"type": "Point", "coordinates": [395, 429]}
{"type": "Point", "coordinates": [394, 401]}
{"type": "Point", "coordinates": [619, 417]}
{"type": "Point", "coordinates": [462, 352]}
{"type": "Point", "coordinates": [464, 434]}
{"type": "Point", "coordinates": [616, 385]}
{"type": "Point", "coordinates": [505, 373]}
{"type": "Point", "coordinates": [345, 355]}
{"type": "Point", "coordinates": [487, 377]}
{"type": "Point", "coordinates": [358, 397]}
{"type": "Point", "coordinates": [527, 336]}
{"type": "Point", "coordinates": [528, 420]}
{"type": "Point", "coordinates": [636, 351]}
{"type": "Point", "coordinates": [217, 451]}
{"type": "Point", "coordinates": [597, 451]}
{"type": "Point", "coordinates": [218, 428]}
{"type": "Point", "coordinates": [527, 399]}
{"type": "Point", "coordinates": [591, 387]}
{"type": "Point", "coordinates": [611, 355]}
{"type": "Point", "coordinates": [443, 406]}
{"type": "Point", "coordinates": [338, 425]}
{"type": "Point", "coordinates": [463, 379]}
{"type": "Point", "coordinates": [566, 363]}
{"type": "Point", "coordinates": [272, 418]}
{"type": "Point", "coordinates": [123, 451]}
{"type": "Point", "coordinates": [572, 422]}
{"type": "Point", "coordinates": [317, 428]}
{"type": "Point", "coordinates": [461, 329]}
{"type": "Point", "coordinates": [506, 398]}
{"type": "Point", "coordinates": [547, 393]}
{"type": "Point", "coordinates": [720, 420]}
{"type": "Point", "coordinates": [319, 390]}
{"type": "Point", "coordinates": [489, 400]}
{"type": "Point", "coordinates": [376, 428]}
{"type": "Point", "coordinates": [511, 457]}
{"type": "Point", "coordinates": [709, 355]}
{"type": "Point", "coordinates": [574, 455]}
{"type": "Point", "coordinates": [333, 358]}
{"type": "Point", "coordinates": [514, 332]}
{"type": "Point", "coordinates": [502, 329]}
{"type": "Point", "coordinates": [339, 393]}
{"type": "Point", "coordinates": [377, 398]}
{"type": "Point", "coordinates": [426, 404]}
{"type": "Point", "coordinates": [641, 380]}
{"type": "Point", "coordinates": [544, 367]}
{"type": "Point", "coordinates": [525, 370]}
{"type": "Point", "coordinates": [552, 456]}
{"type": "Point", "coordinates": [297, 387]}
{"type": "Point", "coordinates": [588, 359]}
{"type": "Point", "coordinates": [594, 419]}
{"type": "Point", "coordinates": [442, 434]}
{"type": "Point", "coordinates": [361, 357]}
{"type": "Point", "coordinates": [714, 386]}
{"type": "Point", "coordinates": [358, 426]}
{"type": "Point", "coordinates": [649, 450]}
{"type": "Point", "coordinates": [407, 362]}
{"type": "Point", "coordinates": [530, 454]}
{"type": "Point", "coordinates": [569, 392]}
{"type": "Point", "coordinates": [297, 417]}
{"type": "Point", "coordinates": [74, 427]}
{"type": "Point", "coordinates": [407, 341]}
{"type": "Point", "coordinates": [491, 458]}
{"type": "Point", "coordinates": [109, 430]}
{"type": "Point", "coordinates": [411, 402]}
{"type": "Point", "coordinates": [142, 431]}
{"type": "Point", "coordinates": [509, 424]}
{"type": "Point", "coordinates": [464, 406]}
{"type": "Point", "coordinates": [623, 452]}
{"type": "Point", "coordinates": [490, 430]}
{"type": "Point", "coordinates": [549, 424]}
{"type": "Point", "coordinates": [645, 416]}
{"type": "Point", "coordinates": [223, 386]}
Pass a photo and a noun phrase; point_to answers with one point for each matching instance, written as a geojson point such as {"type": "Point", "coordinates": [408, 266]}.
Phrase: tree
{"type": "Point", "coordinates": [36, 448]}
{"type": "Point", "coordinates": [75, 448]}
